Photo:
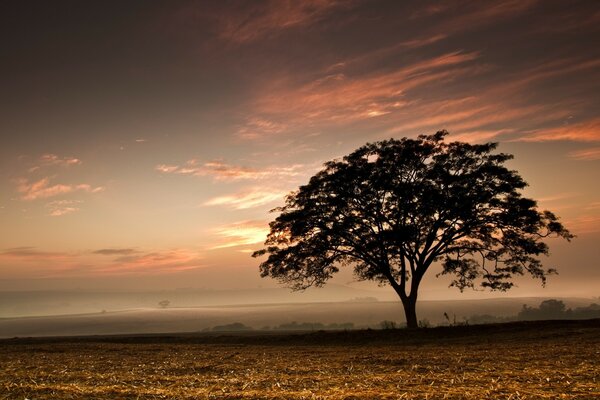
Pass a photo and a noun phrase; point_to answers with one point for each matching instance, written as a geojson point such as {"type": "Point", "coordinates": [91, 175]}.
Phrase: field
{"type": "Point", "coordinates": [538, 360]}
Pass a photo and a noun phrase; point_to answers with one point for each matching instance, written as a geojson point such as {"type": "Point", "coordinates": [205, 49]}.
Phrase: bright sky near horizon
{"type": "Point", "coordinates": [144, 142]}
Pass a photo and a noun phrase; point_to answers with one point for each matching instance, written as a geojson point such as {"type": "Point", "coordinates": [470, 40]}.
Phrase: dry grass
{"type": "Point", "coordinates": [534, 362]}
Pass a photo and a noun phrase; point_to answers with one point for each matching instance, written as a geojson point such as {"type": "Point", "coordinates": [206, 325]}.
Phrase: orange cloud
{"type": "Point", "coordinates": [151, 262]}
{"type": "Point", "coordinates": [31, 254]}
{"type": "Point", "coordinates": [581, 224]}
{"type": "Point", "coordinates": [242, 234]}
{"type": "Point", "coordinates": [42, 189]}
{"type": "Point", "coordinates": [586, 131]}
{"type": "Point", "coordinates": [227, 172]}
{"type": "Point", "coordinates": [62, 207]}
{"type": "Point", "coordinates": [593, 153]}
{"type": "Point", "coordinates": [249, 198]}
{"type": "Point", "coordinates": [257, 127]}
{"type": "Point", "coordinates": [470, 15]}
{"type": "Point", "coordinates": [53, 159]}
{"type": "Point", "coordinates": [271, 17]}
{"type": "Point", "coordinates": [337, 98]}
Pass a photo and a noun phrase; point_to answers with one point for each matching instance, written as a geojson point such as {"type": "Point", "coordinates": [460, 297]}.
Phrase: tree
{"type": "Point", "coordinates": [164, 303]}
{"type": "Point", "coordinates": [392, 208]}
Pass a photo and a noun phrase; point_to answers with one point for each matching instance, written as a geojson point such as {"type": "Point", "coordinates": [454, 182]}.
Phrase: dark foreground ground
{"type": "Point", "coordinates": [536, 360]}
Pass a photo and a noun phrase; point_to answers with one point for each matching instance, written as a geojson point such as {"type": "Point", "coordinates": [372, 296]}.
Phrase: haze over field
{"type": "Point", "coordinates": [144, 142]}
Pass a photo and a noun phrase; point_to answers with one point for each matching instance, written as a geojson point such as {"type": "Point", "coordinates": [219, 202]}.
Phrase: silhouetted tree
{"type": "Point", "coordinates": [393, 208]}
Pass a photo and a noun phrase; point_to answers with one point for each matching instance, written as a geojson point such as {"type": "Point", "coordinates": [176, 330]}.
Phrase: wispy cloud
{"type": "Point", "coordinates": [49, 160]}
{"type": "Point", "coordinates": [242, 233]}
{"type": "Point", "coordinates": [271, 17]}
{"type": "Point", "coordinates": [586, 131]}
{"type": "Point", "coordinates": [33, 254]}
{"type": "Point", "coordinates": [248, 198]}
{"type": "Point", "coordinates": [465, 16]}
{"type": "Point", "coordinates": [62, 207]}
{"type": "Point", "coordinates": [259, 127]}
{"type": "Point", "coordinates": [109, 261]}
{"type": "Point", "coordinates": [166, 261]}
{"type": "Point", "coordinates": [116, 251]}
{"type": "Point", "coordinates": [42, 189]}
{"type": "Point", "coordinates": [340, 98]}
{"type": "Point", "coordinates": [53, 159]}
{"type": "Point", "coordinates": [220, 170]}
{"type": "Point", "coordinates": [593, 153]}
{"type": "Point", "coordinates": [582, 224]}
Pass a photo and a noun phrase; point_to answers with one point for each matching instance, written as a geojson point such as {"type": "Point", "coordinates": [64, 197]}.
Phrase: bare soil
{"type": "Point", "coordinates": [537, 360]}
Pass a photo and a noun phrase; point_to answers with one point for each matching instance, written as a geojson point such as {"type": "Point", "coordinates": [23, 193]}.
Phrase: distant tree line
{"type": "Point", "coordinates": [290, 326]}
{"type": "Point", "coordinates": [548, 309]}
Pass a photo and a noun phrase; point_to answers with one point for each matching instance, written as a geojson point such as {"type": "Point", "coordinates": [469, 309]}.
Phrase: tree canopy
{"type": "Point", "coordinates": [392, 208]}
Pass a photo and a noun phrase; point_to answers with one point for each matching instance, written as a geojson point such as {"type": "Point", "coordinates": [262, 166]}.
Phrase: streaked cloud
{"type": "Point", "coordinates": [590, 154]}
{"type": "Point", "coordinates": [42, 189]}
{"type": "Point", "coordinates": [116, 251]}
{"type": "Point", "coordinates": [164, 261]}
{"type": "Point", "coordinates": [465, 16]}
{"type": "Point", "coordinates": [32, 254]}
{"type": "Point", "coordinates": [53, 159]}
{"type": "Point", "coordinates": [62, 207]}
{"type": "Point", "coordinates": [584, 224]}
{"type": "Point", "coordinates": [49, 160]}
{"type": "Point", "coordinates": [263, 19]}
{"type": "Point", "coordinates": [341, 99]}
{"type": "Point", "coordinates": [249, 198]}
{"type": "Point", "coordinates": [220, 170]}
{"type": "Point", "coordinates": [241, 233]}
{"type": "Point", "coordinates": [258, 127]}
{"type": "Point", "coordinates": [586, 131]}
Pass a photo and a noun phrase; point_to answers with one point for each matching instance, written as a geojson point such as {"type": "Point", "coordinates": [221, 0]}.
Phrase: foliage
{"type": "Point", "coordinates": [164, 303]}
{"type": "Point", "coordinates": [556, 309]}
{"type": "Point", "coordinates": [233, 327]}
{"type": "Point", "coordinates": [392, 208]}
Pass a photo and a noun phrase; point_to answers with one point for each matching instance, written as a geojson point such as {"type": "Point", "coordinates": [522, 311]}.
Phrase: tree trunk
{"type": "Point", "coordinates": [410, 311]}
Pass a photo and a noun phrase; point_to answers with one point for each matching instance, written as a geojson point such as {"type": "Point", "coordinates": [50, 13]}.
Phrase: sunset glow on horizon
{"type": "Point", "coordinates": [144, 142]}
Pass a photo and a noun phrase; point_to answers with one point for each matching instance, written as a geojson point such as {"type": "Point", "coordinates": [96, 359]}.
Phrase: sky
{"type": "Point", "coordinates": [143, 143]}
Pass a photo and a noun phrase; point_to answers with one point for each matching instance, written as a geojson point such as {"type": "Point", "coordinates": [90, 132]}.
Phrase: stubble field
{"type": "Point", "coordinates": [510, 361]}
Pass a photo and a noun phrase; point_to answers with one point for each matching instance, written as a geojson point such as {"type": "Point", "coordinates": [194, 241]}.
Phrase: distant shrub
{"type": "Point", "coordinates": [164, 303]}
{"type": "Point", "coordinates": [424, 323]}
{"type": "Point", "coordinates": [368, 299]}
{"type": "Point", "coordinates": [589, 312]}
{"type": "Point", "coordinates": [385, 324]}
{"type": "Point", "coordinates": [479, 319]}
{"type": "Point", "coordinates": [313, 326]}
{"type": "Point", "coordinates": [234, 327]}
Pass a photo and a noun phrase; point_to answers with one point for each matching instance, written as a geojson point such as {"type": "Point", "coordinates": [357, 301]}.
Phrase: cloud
{"type": "Point", "coordinates": [586, 223]}
{"type": "Point", "coordinates": [585, 131]}
{"type": "Point", "coordinates": [248, 198]}
{"type": "Point", "coordinates": [49, 160]}
{"type": "Point", "coordinates": [28, 253]}
{"type": "Point", "coordinates": [271, 17]}
{"type": "Point", "coordinates": [340, 98]}
{"type": "Point", "coordinates": [115, 251]}
{"type": "Point", "coordinates": [53, 159]}
{"type": "Point", "coordinates": [258, 127]}
{"type": "Point", "coordinates": [242, 233]}
{"type": "Point", "coordinates": [42, 189]}
{"type": "Point", "coordinates": [166, 261]}
{"type": "Point", "coordinates": [62, 207]}
{"type": "Point", "coordinates": [593, 153]}
{"type": "Point", "coordinates": [122, 261]}
{"type": "Point", "coordinates": [465, 16]}
{"type": "Point", "coordinates": [228, 172]}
